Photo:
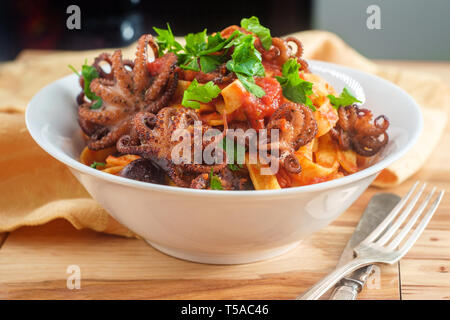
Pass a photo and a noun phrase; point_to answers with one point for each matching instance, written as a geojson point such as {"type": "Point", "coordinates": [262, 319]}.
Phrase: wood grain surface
{"type": "Point", "coordinates": [34, 260]}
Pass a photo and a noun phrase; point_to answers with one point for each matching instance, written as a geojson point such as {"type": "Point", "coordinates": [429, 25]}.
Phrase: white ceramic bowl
{"type": "Point", "coordinates": [221, 227]}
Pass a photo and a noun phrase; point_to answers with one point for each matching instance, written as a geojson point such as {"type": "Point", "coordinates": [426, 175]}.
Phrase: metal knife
{"type": "Point", "coordinates": [378, 208]}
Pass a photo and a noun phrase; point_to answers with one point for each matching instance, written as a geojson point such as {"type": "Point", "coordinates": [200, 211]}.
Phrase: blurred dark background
{"type": "Point", "coordinates": [410, 29]}
{"type": "Point", "coordinates": [41, 24]}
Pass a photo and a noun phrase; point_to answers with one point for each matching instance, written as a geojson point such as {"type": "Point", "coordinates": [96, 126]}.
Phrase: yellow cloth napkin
{"type": "Point", "coordinates": [35, 188]}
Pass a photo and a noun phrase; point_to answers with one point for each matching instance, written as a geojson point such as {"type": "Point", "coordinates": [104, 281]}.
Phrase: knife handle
{"type": "Point", "coordinates": [346, 290]}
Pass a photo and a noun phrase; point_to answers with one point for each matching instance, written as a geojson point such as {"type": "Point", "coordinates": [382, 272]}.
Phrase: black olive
{"type": "Point", "coordinates": [143, 170]}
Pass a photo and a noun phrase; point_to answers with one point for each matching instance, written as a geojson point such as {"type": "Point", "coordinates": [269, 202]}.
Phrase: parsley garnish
{"type": "Point", "coordinates": [195, 44]}
{"type": "Point", "coordinates": [203, 93]}
{"type": "Point", "coordinates": [200, 52]}
{"type": "Point", "coordinates": [345, 99]}
{"type": "Point", "coordinates": [295, 88]}
{"type": "Point", "coordinates": [196, 55]}
{"type": "Point", "coordinates": [166, 40]}
{"type": "Point", "coordinates": [214, 181]}
{"type": "Point", "coordinates": [246, 63]}
{"type": "Point", "coordinates": [95, 164]}
{"type": "Point", "coordinates": [252, 24]}
{"type": "Point", "coordinates": [89, 73]}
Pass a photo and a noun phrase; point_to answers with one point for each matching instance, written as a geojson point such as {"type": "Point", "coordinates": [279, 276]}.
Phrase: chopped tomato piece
{"type": "Point", "coordinates": [154, 67]}
{"type": "Point", "coordinates": [259, 109]}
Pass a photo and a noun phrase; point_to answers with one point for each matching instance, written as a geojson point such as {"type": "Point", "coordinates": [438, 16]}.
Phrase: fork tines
{"type": "Point", "coordinates": [386, 236]}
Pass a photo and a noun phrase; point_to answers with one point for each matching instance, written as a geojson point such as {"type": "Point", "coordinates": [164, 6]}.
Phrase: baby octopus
{"type": "Point", "coordinates": [152, 138]}
{"type": "Point", "coordinates": [127, 89]}
{"type": "Point", "coordinates": [356, 130]}
{"type": "Point", "coordinates": [297, 127]}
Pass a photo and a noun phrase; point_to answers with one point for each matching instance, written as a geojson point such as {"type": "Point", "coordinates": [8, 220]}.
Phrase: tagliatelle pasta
{"type": "Point", "coordinates": [88, 157]}
{"type": "Point", "coordinates": [260, 181]}
{"type": "Point", "coordinates": [166, 119]}
{"type": "Point", "coordinates": [105, 161]}
{"type": "Point", "coordinates": [348, 160]}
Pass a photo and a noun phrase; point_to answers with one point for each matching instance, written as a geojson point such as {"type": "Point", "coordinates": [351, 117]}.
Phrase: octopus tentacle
{"type": "Point", "coordinates": [128, 89]}
{"type": "Point", "coordinates": [299, 50]}
{"type": "Point", "coordinates": [290, 163]}
{"type": "Point", "coordinates": [162, 78]}
{"type": "Point", "coordinates": [153, 141]}
{"type": "Point", "coordinates": [355, 129]}
{"type": "Point", "coordinates": [141, 77]}
{"type": "Point", "coordinates": [297, 128]}
{"type": "Point", "coordinates": [104, 57]}
{"type": "Point", "coordinates": [99, 116]}
{"type": "Point", "coordinates": [110, 138]}
{"type": "Point", "coordinates": [309, 130]}
{"type": "Point", "coordinates": [124, 145]}
{"type": "Point", "coordinates": [109, 92]}
{"type": "Point", "coordinates": [121, 74]}
{"type": "Point", "coordinates": [280, 44]}
{"type": "Point", "coordinates": [164, 99]}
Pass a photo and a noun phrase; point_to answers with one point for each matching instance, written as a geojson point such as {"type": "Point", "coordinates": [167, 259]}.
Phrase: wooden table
{"type": "Point", "coordinates": [34, 260]}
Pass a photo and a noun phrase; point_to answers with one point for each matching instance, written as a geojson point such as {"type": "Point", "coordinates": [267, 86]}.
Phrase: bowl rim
{"type": "Point", "coordinates": [322, 186]}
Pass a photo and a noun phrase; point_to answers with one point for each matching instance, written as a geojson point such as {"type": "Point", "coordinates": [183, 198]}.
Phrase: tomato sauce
{"type": "Point", "coordinates": [258, 110]}
{"type": "Point", "coordinates": [154, 67]}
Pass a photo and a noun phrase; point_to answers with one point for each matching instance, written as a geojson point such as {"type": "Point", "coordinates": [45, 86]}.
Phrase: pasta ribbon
{"type": "Point", "coordinates": [88, 156]}
{"type": "Point", "coordinates": [348, 160]}
{"type": "Point", "coordinates": [261, 182]}
{"type": "Point", "coordinates": [232, 95]}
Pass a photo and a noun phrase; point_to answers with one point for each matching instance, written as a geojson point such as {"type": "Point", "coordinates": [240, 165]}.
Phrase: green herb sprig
{"type": "Point", "coordinates": [200, 53]}
{"type": "Point", "coordinates": [214, 181]}
{"type": "Point", "coordinates": [96, 164]}
{"type": "Point", "coordinates": [89, 73]}
{"type": "Point", "coordinates": [203, 93]}
{"type": "Point", "coordinates": [246, 63]}
{"type": "Point", "coordinates": [252, 24]}
{"type": "Point", "coordinates": [295, 88]}
{"type": "Point", "coordinates": [196, 54]}
{"type": "Point", "coordinates": [344, 99]}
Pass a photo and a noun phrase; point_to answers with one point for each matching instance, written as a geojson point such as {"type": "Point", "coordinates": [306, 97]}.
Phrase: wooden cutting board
{"type": "Point", "coordinates": [34, 260]}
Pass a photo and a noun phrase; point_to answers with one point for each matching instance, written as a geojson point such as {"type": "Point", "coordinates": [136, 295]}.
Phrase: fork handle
{"type": "Point", "coordinates": [316, 291]}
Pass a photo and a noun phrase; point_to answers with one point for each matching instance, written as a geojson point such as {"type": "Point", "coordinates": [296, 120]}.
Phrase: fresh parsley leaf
{"type": "Point", "coordinates": [216, 42]}
{"type": "Point", "coordinates": [196, 54]}
{"type": "Point", "coordinates": [89, 73]}
{"type": "Point", "coordinates": [195, 42]}
{"type": "Point", "coordinates": [252, 24]}
{"type": "Point", "coordinates": [203, 93]}
{"type": "Point", "coordinates": [246, 59]}
{"type": "Point", "coordinates": [166, 40]}
{"type": "Point", "coordinates": [345, 99]}
{"type": "Point", "coordinates": [71, 67]}
{"type": "Point", "coordinates": [246, 63]}
{"type": "Point", "coordinates": [210, 63]}
{"type": "Point", "coordinates": [250, 85]}
{"type": "Point", "coordinates": [191, 63]}
{"type": "Point", "coordinates": [214, 181]}
{"type": "Point", "coordinates": [95, 164]}
{"type": "Point", "coordinates": [295, 88]}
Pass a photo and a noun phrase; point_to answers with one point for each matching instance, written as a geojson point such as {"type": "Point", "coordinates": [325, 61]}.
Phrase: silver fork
{"type": "Point", "coordinates": [381, 245]}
